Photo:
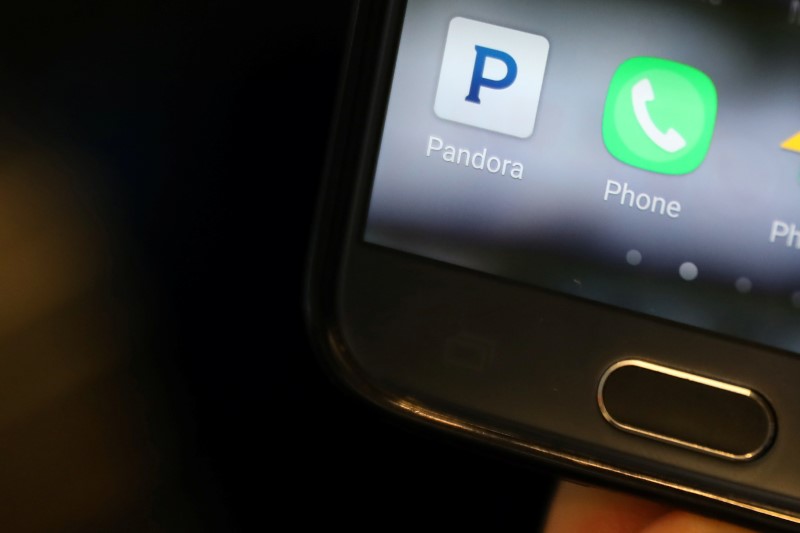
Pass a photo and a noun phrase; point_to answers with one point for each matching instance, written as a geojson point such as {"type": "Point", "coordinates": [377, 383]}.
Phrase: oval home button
{"type": "Point", "coordinates": [685, 409]}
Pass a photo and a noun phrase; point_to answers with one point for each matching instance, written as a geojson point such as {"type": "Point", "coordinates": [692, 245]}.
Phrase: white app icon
{"type": "Point", "coordinates": [491, 77]}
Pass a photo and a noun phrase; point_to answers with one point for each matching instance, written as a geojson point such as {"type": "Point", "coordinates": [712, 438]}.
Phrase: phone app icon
{"type": "Point", "coordinates": [660, 115]}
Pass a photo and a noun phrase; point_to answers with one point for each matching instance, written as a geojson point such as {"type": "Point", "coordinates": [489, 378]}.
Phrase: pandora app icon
{"type": "Point", "coordinates": [491, 77]}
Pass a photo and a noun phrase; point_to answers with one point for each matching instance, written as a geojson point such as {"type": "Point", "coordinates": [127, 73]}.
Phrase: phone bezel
{"type": "Point", "coordinates": [345, 272]}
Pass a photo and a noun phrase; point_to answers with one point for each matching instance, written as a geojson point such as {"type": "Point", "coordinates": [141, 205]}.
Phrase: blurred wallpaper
{"type": "Point", "coordinates": [554, 207]}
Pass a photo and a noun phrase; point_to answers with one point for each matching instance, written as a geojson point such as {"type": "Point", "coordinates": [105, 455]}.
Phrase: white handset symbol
{"type": "Point", "coordinates": [671, 141]}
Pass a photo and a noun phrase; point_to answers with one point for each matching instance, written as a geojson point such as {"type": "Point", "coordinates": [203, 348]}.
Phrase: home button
{"type": "Point", "coordinates": [686, 410]}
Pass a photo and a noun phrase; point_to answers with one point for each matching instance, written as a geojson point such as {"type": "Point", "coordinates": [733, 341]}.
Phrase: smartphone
{"type": "Point", "coordinates": [571, 230]}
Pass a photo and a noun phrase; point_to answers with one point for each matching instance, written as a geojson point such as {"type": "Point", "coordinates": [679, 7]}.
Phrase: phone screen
{"type": "Point", "coordinates": [644, 155]}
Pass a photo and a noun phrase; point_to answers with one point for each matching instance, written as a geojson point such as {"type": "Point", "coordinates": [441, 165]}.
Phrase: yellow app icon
{"type": "Point", "coordinates": [792, 143]}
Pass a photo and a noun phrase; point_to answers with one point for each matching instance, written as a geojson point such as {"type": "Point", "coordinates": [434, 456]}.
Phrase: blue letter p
{"type": "Point", "coordinates": [479, 81]}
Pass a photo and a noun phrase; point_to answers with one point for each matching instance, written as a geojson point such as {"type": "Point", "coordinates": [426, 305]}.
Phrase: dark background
{"type": "Point", "coordinates": [192, 135]}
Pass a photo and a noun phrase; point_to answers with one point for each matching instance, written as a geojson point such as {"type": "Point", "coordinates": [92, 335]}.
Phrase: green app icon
{"type": "Point", "coordinates": [659, 115]}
